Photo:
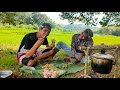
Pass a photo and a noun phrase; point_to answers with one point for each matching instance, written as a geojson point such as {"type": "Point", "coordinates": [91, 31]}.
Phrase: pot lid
{"type": "Point", "coordinates": [103, 56]}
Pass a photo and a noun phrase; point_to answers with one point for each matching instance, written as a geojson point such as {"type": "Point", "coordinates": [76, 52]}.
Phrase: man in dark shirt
{"type": "Point", "coordinates": [78, 40]}
{"type": "Point", "coordinates": [29, 53]}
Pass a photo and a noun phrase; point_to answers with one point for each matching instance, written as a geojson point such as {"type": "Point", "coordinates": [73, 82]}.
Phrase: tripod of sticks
{"type": "Point", "coordinates": [115, 53]}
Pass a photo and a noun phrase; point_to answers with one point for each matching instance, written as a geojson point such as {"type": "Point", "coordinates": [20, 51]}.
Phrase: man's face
{"type": "Point", "coordinates": [44, 32]}
{"type": "Point", "coordinates": [83, 36]}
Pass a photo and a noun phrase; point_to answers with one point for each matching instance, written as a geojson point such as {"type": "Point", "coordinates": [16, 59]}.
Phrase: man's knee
{"type": "Point", "coordinates": [32, 63]}
{"type": "Point", "coordinates": [60, 44]}
{"type": "Point", "coordinates": [25, 61]}
{"type": "Point", "coordinates": [80, 56]}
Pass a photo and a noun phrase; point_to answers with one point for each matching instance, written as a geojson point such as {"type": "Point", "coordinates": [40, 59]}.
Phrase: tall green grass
{"type": "Point", "coordinates": [107, 39]}
{"type": "Point", "coordinates": [8, 58]}
{"type": "Point", "coordinates": [11, 38]}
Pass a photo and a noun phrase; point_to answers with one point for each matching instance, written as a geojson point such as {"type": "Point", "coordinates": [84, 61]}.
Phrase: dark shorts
{"type": "Point", "coordinates": [23, 60]}
{"type": "Point", "coordinates": [26, 60]}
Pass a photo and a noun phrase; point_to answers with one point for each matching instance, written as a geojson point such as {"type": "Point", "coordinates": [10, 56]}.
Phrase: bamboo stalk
{"type": "Point", "coordinates": [116, 62]}
{"type": "Point", "coordinates": [86, 61]}
{"type": "Point", "coordinates": [94, 48]}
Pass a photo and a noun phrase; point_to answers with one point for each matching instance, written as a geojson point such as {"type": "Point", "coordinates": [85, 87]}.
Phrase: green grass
{"type": "Point", "coordinates": [10, 40]}
{"type": "Point", "coordinates": [107, 39]}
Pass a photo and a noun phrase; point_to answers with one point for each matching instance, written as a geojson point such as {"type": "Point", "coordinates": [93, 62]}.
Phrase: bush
{"type": "Point", "coordinates": [109, 31]}
{"type": "Point", "coordinates": [35, 26]}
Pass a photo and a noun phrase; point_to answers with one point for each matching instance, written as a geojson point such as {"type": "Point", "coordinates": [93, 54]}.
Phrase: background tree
{"type": "Point", "coordinates": [26, 18]}
{"type": "Point", "coordinates": [9, 17]}
{"type": "Point", "coordinates": [91, 18]}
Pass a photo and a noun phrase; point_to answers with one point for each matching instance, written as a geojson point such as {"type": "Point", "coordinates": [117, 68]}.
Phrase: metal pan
{"type": "Point", "coordinates": [5, 73]}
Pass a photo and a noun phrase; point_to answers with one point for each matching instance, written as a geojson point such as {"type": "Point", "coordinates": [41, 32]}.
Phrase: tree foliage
{"type": "Point", "coordinates": [9, 17]}
{"type": "Point", "coordinates": [15, 18]}
{"type": "Point", "coordinates": [111, 30]}
{"type": "Point", "coordinates": [27, 20]}
{"type": "Point", "coordinates": [91, 18]}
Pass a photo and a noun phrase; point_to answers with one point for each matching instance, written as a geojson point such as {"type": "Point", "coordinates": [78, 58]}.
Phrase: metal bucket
{"type": "Point", "coordinates": [5, 73]}
{"type": "Point", "coordinates": [102, 63]}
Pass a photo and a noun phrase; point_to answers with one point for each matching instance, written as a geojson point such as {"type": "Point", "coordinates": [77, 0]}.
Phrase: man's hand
{"type": "Point", "coordinates": [49, 47]}
{"type": "Point", "coordinates": [73, 53]}
{"type": "Point", "coordinates": [44, 36]}
{"type": "Point", "coordinates": [82, 48]}
{"type": "Point", "coordinates": [73, 60]}
{"type": "Point", "coordinates": [41, 39]}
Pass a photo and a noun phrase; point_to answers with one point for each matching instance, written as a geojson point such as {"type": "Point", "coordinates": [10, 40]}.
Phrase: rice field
{"type": "Point", "coordinates": [11, 38]}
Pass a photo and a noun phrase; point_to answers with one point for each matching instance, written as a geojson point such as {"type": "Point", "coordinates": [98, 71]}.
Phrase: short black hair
{"type": "Point", "coordinates": [89, 32]}
{"type": "Point", "coordinates": [46, 25]}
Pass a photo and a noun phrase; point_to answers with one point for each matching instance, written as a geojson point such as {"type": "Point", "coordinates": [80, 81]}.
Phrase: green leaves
{"type": "Point", "coordinates": [91, 18]}
{"type": "Point", "coordinates": [16, 18]}
{"type": "Point", "coordinates": [85, 17]}
{"type": "Point", "coordinates": [73, 68]}
{"type": "Point", "coordinates": [61, 67]}
{"type": "Point", "coordinates": [9, 17]}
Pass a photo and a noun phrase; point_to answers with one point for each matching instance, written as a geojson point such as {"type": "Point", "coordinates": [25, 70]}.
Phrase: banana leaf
{"type": "Point", "coordinates": [73, 68]}
{"type": "Point", "coordinates": [70, 68]}
{"type": "Point", "coordinates": [61, 67]}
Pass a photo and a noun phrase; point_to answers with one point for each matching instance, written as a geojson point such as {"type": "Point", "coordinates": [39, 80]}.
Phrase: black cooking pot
{"type": "Point", "coordinates": [102, 63]}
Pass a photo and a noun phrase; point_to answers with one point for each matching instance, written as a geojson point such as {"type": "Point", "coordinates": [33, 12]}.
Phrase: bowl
{"type": "Point", "coordinates": [5, 73]}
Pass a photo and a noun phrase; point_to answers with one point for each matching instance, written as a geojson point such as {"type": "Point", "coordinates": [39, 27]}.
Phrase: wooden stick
{"type": "Point", "coordinates": [116, 62]}
{"type": "Point", "coordinates": [99, 47]}
{"type": "Point", "coordinates": [94, 48]}
{"type": "Point", "coordinates": [86, 61]}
